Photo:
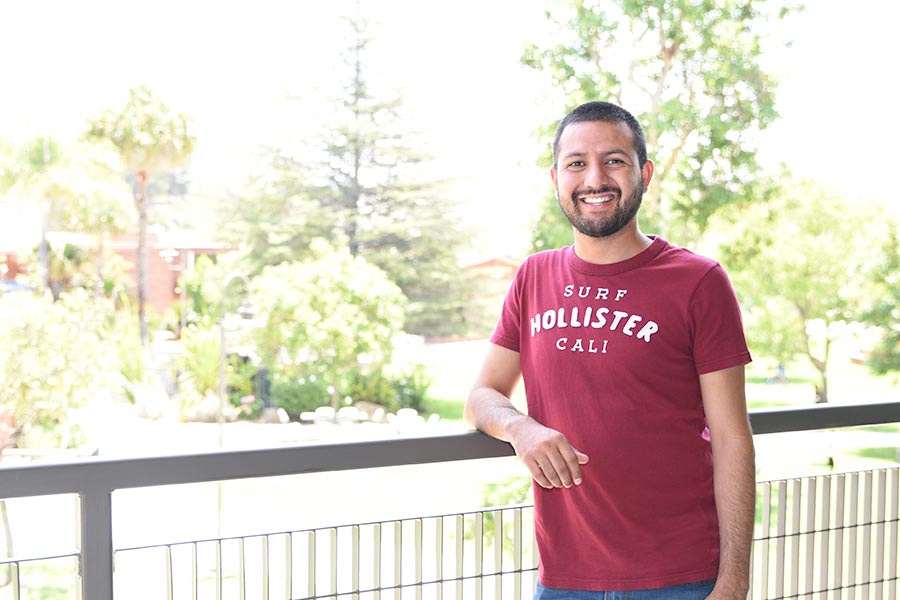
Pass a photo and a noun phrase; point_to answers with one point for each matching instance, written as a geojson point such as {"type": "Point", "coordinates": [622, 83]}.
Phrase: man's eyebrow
{"type": "Point", "coordinates": [578, 153]}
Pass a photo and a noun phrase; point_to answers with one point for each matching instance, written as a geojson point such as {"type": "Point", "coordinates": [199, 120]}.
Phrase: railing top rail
{"type": "Point", "coordinates": [94, 474]}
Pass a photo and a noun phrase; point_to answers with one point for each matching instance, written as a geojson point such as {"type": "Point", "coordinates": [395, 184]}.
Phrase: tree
{"type": "Point", "coordinates": [329, 315]}
{"type": "Point", "coordinates": [690, 72]}
{"type": "Point", "coordinates": [361, 185]}
{"type": "Point", "coordinates": [800, 263]}
{"type": "Point", "coordinates": [149, 138]}
{"type": "Point", "coordinates": [884, 310]}
{"type": "Point", "coordinates": [76, 190]}
{"type": "Point", "coordinates": [56, 356]}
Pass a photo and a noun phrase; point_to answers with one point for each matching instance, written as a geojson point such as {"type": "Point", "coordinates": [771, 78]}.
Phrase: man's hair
{"type": "Point", "coordinates": [607, 113]}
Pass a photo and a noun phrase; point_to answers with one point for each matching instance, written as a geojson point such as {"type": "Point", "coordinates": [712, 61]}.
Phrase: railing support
{"type": "Point", "coordinates": [95, 563]}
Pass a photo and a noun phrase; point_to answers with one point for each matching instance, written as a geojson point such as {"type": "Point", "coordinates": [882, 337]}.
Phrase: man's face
{"type": "Point", "coordinates": [598, 180]}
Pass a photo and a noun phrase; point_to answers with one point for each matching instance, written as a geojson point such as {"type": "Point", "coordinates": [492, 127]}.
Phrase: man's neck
{"type": "Point", "coordinates": [622, 245]}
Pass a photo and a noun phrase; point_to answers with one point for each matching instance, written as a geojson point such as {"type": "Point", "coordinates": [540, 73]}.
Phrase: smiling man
{"type": "Point", "coordinates": [637, 436]}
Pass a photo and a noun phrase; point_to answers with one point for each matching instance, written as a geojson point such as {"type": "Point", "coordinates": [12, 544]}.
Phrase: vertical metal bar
{"type": "Point", "coordinates": [333, 560]}
{"type": "Point", "coordinates": [169, 590]}
{"type": "Point", "coordinates": [479, 555]}
{"type": "Point", "coordinates": [16, 581]}
{"type": "Point", "coordinates": [824, 535]}
{"type": "Point", "coordinates": [376, 543]}
{"type": "Point", "coordinates": [311, 564]}
{"type": "Point", "coordinates": [880, 498]}
{"type": "Point", "coordinates": [753, 549]}
{"type": "Point", "coordinates": [810, 535]}
{"type": "Point", "coordinates": [289, 565]}
{"type": "Point", "coordinates": [398, 560]}
{"type": "Point", "coordinates": [460, 544]}
{"type": "Point", "coordinates": [94, 530]}
{"type": "Point", "coordinates": [218, 569]}
{"type": "Point", "coordinates": [498, 554]}
{"type": "Point", "coordinates": [780, 530]}
{"type": "Point", "coordinates": [796, 536]}
{"type": "Point", "coordinates": [766, 537]}
{"type": "Point", "coordinates": [439, 557]}
{"type": "Point", "coordinates": [266, 568]}
{"type": "Point", "coordinates": [866, 550]}
{"type": "Point", "coordinates": [852, 529]}
{"type": "Point", "coordinates": [354, 561]}
{"type": "Point", "coordinates": [242, 565]}
{"type": "Point", "coordinates": [839, 536]}
{"type": "Point", "coordinates": [517, 554]}
{"type": "Point", "coordinates": [418, 543]}
{"type": "Point", "coordinates": [194, 576]}
{"type": "Point", "coordinates": [893, 558]}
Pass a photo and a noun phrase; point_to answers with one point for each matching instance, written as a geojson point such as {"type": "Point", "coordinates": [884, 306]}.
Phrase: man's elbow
{"type": "Point", "coordinates": [470, 410]}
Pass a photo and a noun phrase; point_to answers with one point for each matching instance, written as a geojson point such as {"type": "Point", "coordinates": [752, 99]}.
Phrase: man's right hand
{"type": "Point", "coordinates": [552, 460]}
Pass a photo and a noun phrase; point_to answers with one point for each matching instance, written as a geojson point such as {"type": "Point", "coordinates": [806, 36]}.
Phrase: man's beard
{"type": "Point", "coordinates": [596, 227]}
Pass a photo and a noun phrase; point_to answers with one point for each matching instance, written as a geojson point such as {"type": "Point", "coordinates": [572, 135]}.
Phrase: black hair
{"type": "Point", "coordinates": [608, 113]}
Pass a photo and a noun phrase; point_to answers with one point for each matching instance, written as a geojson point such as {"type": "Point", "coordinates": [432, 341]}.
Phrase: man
{"type": "Point", "coordinates": [632, 354]}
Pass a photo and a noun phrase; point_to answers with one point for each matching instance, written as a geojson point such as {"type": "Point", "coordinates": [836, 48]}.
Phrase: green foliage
{"type": "Point", "coordinates": [800, 263]}
{"type": "Point", "coordinates": [198, 365]}
{"type": "Point", "coordinates": [299, 394]}
{"type": "Point", "coordinates": [327, 316]}
{"type": "Point", "coordinates": [509, 492]}
{"type": "Point", "coordinates": [79, 191]}
{"type": "Point", "coordinates": [691, 74]}
{"type": "Point", "coordinates": [132, 358]}
{"type": "Point", "coordinates": [55, 359]}
{"type": "Point", "coordinates": [551, 229]}
{"type": "Point", "coordinates": [884, 309]}
{"type": "Point", "coordinates": [360, 183]}
{"type": "Point", "coordinates": [393, 391]}
{"type": "Point", "coordinates": [148, 136]}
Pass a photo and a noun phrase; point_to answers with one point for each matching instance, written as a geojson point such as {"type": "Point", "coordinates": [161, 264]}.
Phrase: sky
{"type": "Point", "coordinates": [230, 65]}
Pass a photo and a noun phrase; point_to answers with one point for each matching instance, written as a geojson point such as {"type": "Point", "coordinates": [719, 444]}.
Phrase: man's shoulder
{"type": "Point", "coordinates": [683, 258]}
{"type": "Point", "coordinates": [548, 257]}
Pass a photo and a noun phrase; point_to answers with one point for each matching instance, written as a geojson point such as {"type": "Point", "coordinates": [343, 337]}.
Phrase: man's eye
{"type": "Point", "coordinates": [576, 163]}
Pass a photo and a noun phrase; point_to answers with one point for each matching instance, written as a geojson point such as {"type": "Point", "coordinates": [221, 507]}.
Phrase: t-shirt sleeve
{"type": "Point", "coordinates": [718, 330]}
{"type": "Point", "coordinates": [506, 334]}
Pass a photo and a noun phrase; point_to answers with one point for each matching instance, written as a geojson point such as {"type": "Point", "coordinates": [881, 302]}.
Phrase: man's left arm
{"type": "Point", "coordinates": [734, 474]}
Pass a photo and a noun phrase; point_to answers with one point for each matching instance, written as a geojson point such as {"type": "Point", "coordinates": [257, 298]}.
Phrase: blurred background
{"type": "Point", "coordinates": [248, 214]}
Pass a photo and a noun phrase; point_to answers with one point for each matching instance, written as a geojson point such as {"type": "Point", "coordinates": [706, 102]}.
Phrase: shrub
{"type": "Point", "coordinates": [55, 358]}
{"type": "Point", "coordinates": [299, 394]}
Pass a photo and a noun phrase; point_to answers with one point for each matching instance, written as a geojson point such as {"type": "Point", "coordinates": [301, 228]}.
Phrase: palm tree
{"type": "Point", "coordinates": [150, 139]}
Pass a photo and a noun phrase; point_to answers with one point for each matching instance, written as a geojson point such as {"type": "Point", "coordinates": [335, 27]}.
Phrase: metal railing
{"type": "Point", "coordinates": [844, 540]}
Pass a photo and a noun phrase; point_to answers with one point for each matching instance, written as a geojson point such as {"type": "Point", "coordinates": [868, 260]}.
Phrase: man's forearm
{"type": "Point", "coordinates": [735, 490]}
{"type": "Point", "coordinates": [493, 413]}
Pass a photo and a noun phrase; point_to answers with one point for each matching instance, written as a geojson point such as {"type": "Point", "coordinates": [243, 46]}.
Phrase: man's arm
{"type": "Point", "coordinates": [734, 475]}
{"type": "Point", "coordinates": [552, 461]}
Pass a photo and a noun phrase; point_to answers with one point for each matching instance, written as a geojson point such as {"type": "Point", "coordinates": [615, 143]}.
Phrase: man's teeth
{"type": "Point", "coordinates": [597, 200]}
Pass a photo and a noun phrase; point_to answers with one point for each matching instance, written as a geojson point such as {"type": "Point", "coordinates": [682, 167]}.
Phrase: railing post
{"type": "Point", "coordinates": [96, 545]}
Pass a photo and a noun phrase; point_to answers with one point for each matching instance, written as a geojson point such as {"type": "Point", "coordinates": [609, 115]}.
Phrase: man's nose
{"type": "Point", "coordinates": [595, 176]}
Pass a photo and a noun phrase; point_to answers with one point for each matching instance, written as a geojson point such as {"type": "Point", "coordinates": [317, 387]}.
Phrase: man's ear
{"type": "Point", "coordinates": [647, 173]}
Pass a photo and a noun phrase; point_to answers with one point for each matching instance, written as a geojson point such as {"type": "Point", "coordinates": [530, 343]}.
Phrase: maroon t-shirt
{"type": "Point", "coordinates": [611, 357]}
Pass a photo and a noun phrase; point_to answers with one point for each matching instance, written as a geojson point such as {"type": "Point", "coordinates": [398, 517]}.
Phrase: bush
{"type": "Point", "coordinates": [406, 389]}
{"type": "Point", "coordinates": [300, 394]}
{"type": "Point", "coordinates": [56, 358]}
